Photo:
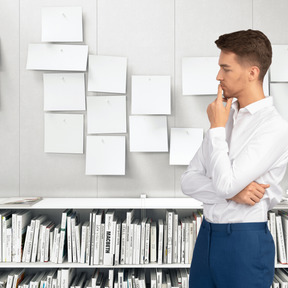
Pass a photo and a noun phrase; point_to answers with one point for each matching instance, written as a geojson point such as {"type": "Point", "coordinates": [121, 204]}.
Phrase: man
{"type": "Point", "coordinates": [237, 170]}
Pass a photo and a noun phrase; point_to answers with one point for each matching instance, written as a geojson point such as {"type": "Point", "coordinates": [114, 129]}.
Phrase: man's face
{"type": "Point", "coordinates": [233, 76]}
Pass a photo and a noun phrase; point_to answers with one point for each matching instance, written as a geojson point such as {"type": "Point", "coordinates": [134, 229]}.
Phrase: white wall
{"type": "Point", "coordinates": [154, 35]}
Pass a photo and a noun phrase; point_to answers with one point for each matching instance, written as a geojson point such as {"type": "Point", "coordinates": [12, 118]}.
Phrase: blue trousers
{"type": "Point", "coordinates": [239, 255]}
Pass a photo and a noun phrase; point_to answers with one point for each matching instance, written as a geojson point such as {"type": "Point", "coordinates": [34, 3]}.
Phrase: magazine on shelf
{"type": "Point", "coordinates": [19, 202]}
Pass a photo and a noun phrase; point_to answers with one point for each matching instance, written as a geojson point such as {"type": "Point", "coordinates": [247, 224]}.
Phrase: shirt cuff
{"type": "Point", "coordinates": [218, 132]}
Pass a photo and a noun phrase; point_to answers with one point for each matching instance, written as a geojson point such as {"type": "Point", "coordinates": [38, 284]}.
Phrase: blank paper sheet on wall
{"type": "Point", "coordinates": [279, 66]}
{"type": "Point", "coordinates": [148, 134]}
{"type": "Point", "coordinates": [57, 57]}
{"type": "Point", "coordinates": [199, 75]}
{"type": "Point", "coordinates": [279, 91]}
{"type": "Point", "coordinates": [62, 24]}
{"type": "Point", "coordinates": [64, 91]}
{"type": "Point", "coordinates": [63, 133]}
{"type": "Point", "coordinates": [151, 95]}
{"type": "Point", "coordinates": [105, 155]}
{"type": "Point", "coordinates": [184, 144]}
{"type": "Point", "coordinates": [106, 114]}
{"type": "Point", "coordinates": [107, 74]}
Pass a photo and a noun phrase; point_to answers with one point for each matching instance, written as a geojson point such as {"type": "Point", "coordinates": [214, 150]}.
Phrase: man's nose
{"type": "Point", "coordinates": [219, 76]}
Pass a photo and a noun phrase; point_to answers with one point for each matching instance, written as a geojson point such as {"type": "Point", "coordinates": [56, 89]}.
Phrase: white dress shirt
{"type": "Point", "coordinates": [252, 147]}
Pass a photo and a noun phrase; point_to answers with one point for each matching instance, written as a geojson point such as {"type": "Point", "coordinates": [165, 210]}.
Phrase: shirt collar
{"type": "Point", "coordinates": [255, 106]}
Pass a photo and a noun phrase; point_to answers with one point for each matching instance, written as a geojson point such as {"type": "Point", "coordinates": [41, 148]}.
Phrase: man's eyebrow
{"type": "Point", "coordinates": [224, 65]}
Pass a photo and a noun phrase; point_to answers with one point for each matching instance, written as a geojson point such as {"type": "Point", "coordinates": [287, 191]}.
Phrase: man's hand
{"type": "Point", "coordinates": [218, 114]}
{"type": "Point", "coordinates": [251, 194]}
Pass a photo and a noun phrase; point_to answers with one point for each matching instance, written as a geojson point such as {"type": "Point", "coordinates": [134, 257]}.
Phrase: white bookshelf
{"type": "Point", "coordinates": [54, 207]}
{"type": "Point", "coordinates": [114, 203]}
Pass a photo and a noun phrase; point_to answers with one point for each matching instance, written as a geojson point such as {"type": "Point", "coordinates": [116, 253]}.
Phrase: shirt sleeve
{"type": "Point", "coordinates": [264, 149]}
{"type": "Point", "coordinates": [196, 184]}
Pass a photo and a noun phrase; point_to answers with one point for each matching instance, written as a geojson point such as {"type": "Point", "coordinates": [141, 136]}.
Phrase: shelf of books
{"type": "Point", "coordinates": [108, 236]}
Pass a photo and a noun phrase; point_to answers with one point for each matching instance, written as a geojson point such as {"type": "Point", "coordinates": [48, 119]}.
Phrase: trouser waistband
{"type": "Point", "coordinates": [229, 227]}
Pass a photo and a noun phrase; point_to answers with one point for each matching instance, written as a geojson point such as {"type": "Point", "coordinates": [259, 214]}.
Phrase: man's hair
{"type": "Point", "coordinates": [250, 46]}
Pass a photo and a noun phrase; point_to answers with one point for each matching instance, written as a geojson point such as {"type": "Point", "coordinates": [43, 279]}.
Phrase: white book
{"type": "Point", "coordinates": [131, 248]}
{"type": "Point", "coordinates": [192, 231]}
{"type": "Point", "coordinates": [94, 277]}
{"type": "Point", "coordinates": [84, 234]}
{"type": "Point", "coordinates": [74, 222]}
{"type": "Point", "coordinates": [62, 247]}
{"type": "Point", "coordinates": [120, 278]}
{"type": "Point", "coordinates": [184, 278]}
{"type": "Point", "coordinates": [35, 281]}
{"type": "Point", "coordinates": [69, 239]}
{"type": "Point", "coordinates": [59, 276]}
{"type": "Point", "coordinates": [165, 235]}
{"type": "Point", "coordinates": [67, 277]}
{"type": "Point", "coordinates": [1, 237]}
{"type": "Point", "coordinates": [110, 278]}
{"type": "Point", "coordinates": [78, 245]}
{"type": "Point", "coordinates": [38, 222]}
{"type": "Point", "coordinates": [51, 274]}
{"type": "Point", "coordinates": [18, 277]}
{"type": "Point", "coordinates": [28, 231]}
{"type": "Point", "coordinates": [153, 279]}
{"type": "Point", "coordinates": [159, 277]}
{"type": "Point", "coordinates": [169, 221]}
{"type": "Point", "coordinates": [129, 219]}
{"type": "Point", "coordinates": [160, 240]}
{"type": "Point", "coordinates": [123, 243]}
{"type": "Point", "coordinates": [92, 236]}
{"type": "Point", "coordinates": [47, 250]}
{"type": "Point", "coordinates": [280, 241]}
{"type": "Point", "coordinates": [27, 255]}
{"type": "Point", "coordinates": [147, 242]}
{"type": "Point", "coordinates": [42, 238]}
{"type": "Point", "coordinates": [272, 218]}
{"type": "Point", "coordinates": [183, 236]}
{"type": "Point", "coordinates": [153, 243]}
{"type": "Point", "coordinates": [285, 230]}
{"type": "Point", "coordinates": [88, 242]}
{"type": "Point", "coordinates": [56, 231]}
{"type": "Point", "coordinates": [179, 243]}
{"type": "Point", "coordinates": [102, 239]}
{"type": "Point", "coordinates": [8, 247]}
{"type": "Point", "coordinates": [187, 240]}
{"type": "Point", "coordinates": [98, 221]}
{"type": "Point", "coordinates": [10, 278]}
{"type": "Point", "coordinates": [23, 219]}
{"type": "Point", "coordinates": [108, 243]}
{"type": "Point", "coordinates": [142, 241]}
{"type": "Point", "coordinates": [136, 241]}
{"type": "Point", "coordinates": [118, 242]}
{"type": "Point", "coordinates": [175, 238]}
{"type": "Point", "coordinates": [6, 223]}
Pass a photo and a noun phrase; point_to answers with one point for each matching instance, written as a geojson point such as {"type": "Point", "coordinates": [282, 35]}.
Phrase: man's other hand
{"type": "Point", "coordinates": [251, 194]}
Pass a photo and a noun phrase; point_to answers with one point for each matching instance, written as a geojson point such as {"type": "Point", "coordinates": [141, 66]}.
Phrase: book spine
{"type": "Point", "coordinates": [147, 242]}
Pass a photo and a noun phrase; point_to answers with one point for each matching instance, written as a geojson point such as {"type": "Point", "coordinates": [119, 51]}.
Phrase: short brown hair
{"type": "Point", "coordinates": [251, 46]}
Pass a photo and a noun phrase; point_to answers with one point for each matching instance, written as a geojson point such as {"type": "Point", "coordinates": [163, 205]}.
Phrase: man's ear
{"type": "Point", "coordinates": [254, 72]}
